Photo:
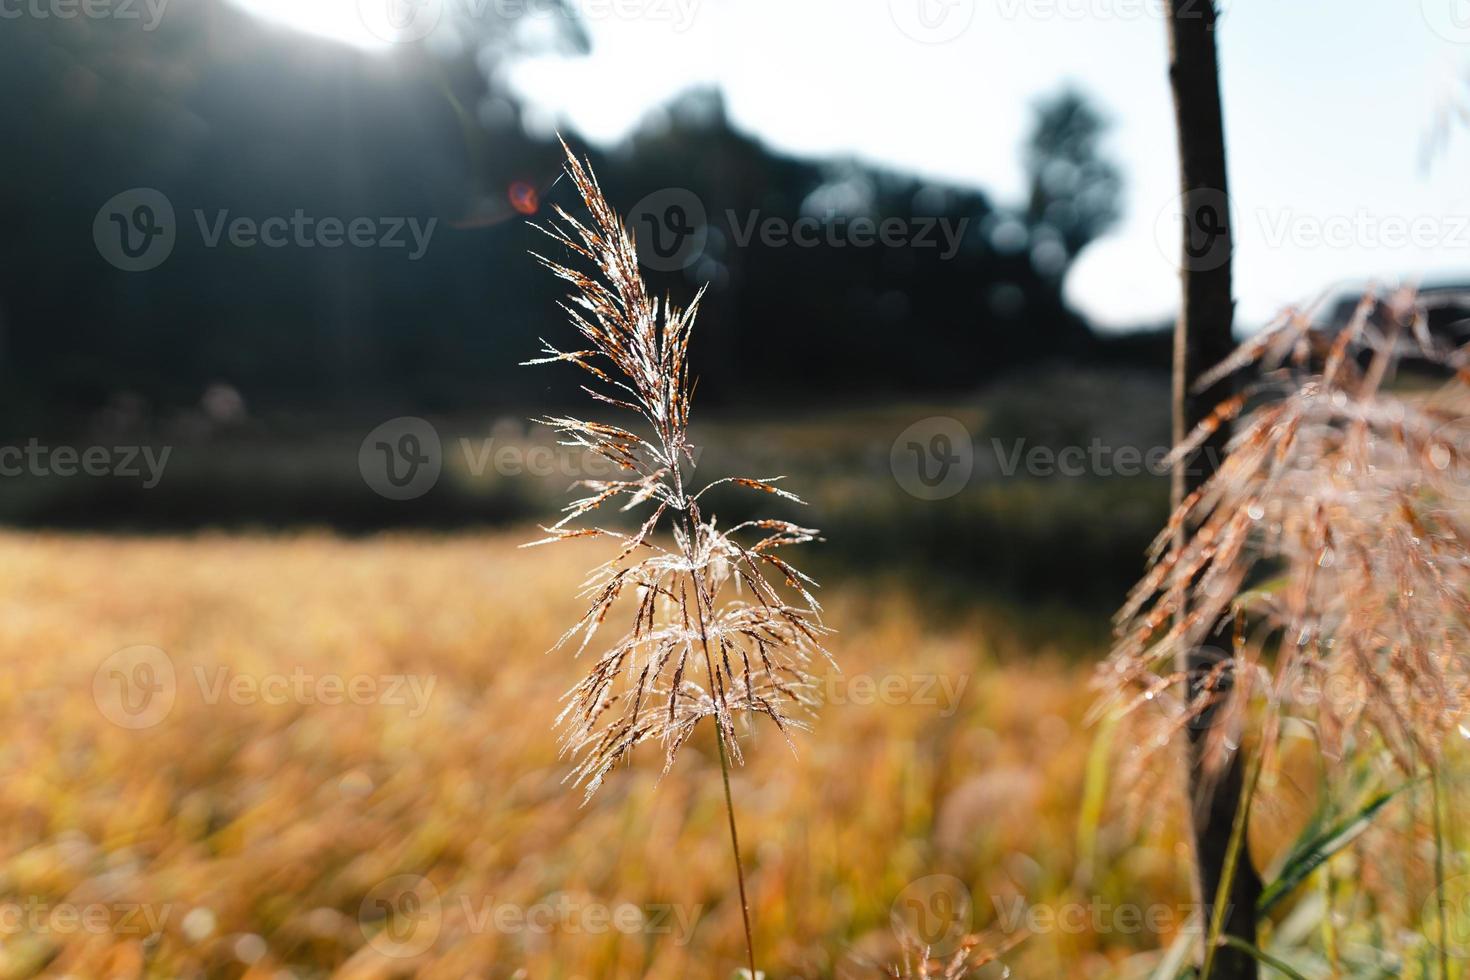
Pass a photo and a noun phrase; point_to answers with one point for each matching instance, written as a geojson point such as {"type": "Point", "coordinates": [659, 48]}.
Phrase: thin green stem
{"type": "Point", "coordinates": [1232, 859]}
{"type": "Point", "coordinates": [717, 694]}
{"type": "Point", "coordinates": [1444, 933]}
{"type": "Point", "coordinates": [735, 845]}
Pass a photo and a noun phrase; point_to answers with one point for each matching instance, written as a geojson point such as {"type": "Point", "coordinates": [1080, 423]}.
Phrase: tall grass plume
{"type": "Point", "coordinates": [1334, 534]}
{"type": "Point", "coordinates": [723, 626]}
{"type": "Point", "coordinates": [1322, 573]}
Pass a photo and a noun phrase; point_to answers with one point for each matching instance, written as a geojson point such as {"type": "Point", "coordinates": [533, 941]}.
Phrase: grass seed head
{"type": "Point", "coordinates": [1331, 543]}
{"type": "Point", "coordinates": [723, 627]}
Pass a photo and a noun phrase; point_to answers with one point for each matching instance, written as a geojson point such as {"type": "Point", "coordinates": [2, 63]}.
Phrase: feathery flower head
{"type": "Point", "coordinates": [722, 624]}
{"type": "Point", "coordinates": [1333, 536]}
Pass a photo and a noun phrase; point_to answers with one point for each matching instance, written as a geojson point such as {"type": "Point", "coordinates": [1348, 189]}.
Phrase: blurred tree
{"type": "Point", "coordinates": [1074, 189]}
{"type": "Point", "coordinates": [224, 114]}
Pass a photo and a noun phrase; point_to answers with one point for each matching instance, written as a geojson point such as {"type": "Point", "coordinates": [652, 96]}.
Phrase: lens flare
{"type": "Point", "coordinates": [523, 197]}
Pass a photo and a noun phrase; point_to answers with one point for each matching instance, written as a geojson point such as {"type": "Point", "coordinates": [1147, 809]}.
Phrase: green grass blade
{"type": "Point", "coordinates": [1094, 793]}
{"type": "Point", "coordinates": [1316, 850]}
{"type": "Point", "coordinates": [1260, 957]}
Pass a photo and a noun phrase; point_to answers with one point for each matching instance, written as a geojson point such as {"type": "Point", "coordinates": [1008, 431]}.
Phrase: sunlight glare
{"type": "Point", "coordinates": [337, 20]}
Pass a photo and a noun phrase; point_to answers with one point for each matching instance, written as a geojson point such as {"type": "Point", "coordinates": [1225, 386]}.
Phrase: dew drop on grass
{"type": "Point", "coordinates": [1255, 511]}
{"type": "Point", "coordinates": [250, 949]}
{"type": "Point", "coordinates": [355, 784]}
{"type": "Point", "coordinates": [199, 924]}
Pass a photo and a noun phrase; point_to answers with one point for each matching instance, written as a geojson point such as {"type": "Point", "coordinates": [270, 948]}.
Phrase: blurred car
{"type": "Point", "coordinates": [1447, 320]}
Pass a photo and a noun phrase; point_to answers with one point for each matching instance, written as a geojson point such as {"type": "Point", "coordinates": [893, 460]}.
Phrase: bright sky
{"type": "Point", "coordinates": [1329, 104]}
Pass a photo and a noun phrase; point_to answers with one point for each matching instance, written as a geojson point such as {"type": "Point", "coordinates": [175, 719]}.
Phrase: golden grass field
{"type": "Point", "coordinates": [251, 828]}
{"type": "Point", "coordinates": [249, 834]}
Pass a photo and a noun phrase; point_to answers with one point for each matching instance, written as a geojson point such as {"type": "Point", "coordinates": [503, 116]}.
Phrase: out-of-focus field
{"type": "Point", "coordinates": [237, 837]}
{"type": "Point", "coordinates": [1068, 538]}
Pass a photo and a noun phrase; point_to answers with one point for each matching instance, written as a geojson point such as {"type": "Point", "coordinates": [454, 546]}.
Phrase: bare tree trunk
{"type": "Point", "coordinates": [1202, 338]}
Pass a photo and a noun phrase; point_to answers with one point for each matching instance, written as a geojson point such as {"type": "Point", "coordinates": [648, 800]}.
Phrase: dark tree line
{"type": "Point", "coordinates": [224, 116]}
